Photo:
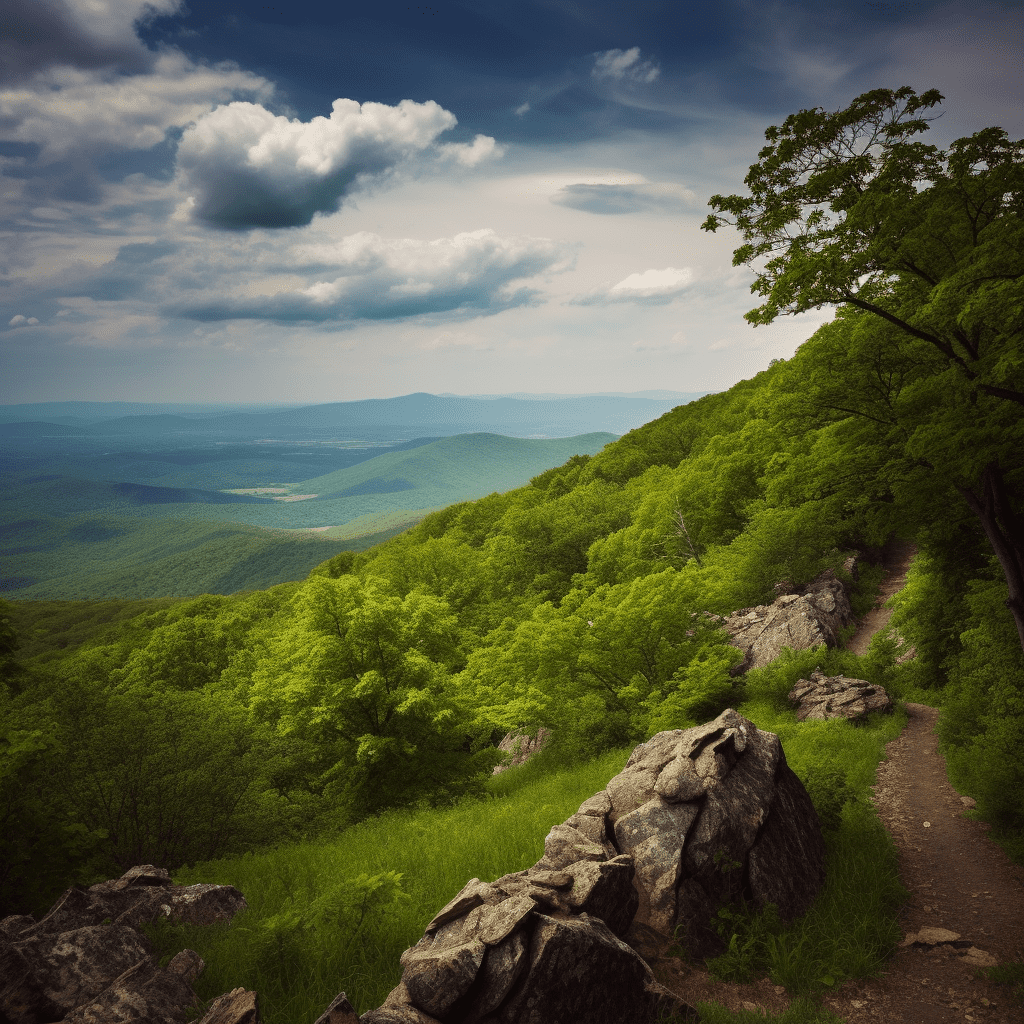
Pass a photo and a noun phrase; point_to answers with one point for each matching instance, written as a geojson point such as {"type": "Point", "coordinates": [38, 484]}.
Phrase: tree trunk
{"type": "Point", "coordinates": [1005, 533]}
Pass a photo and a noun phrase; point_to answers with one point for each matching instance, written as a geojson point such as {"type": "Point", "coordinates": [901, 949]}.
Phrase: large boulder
{"type": "Point", "coordinates": [824, 696]}
{"type": "Point", "coordinates": [521, 747]}
{"type": "Point", "coordinates": [816, 616]}
{"type": "Point", "coordinates": [86, 961]}
{"type": "Point", "coordinates": [713, 816]}
{"type": "Point", "coordinates": [699, 819]}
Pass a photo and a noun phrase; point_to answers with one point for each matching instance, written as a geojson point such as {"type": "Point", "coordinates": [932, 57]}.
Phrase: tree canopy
{"type": "Point", "coordinates": [849, 208]}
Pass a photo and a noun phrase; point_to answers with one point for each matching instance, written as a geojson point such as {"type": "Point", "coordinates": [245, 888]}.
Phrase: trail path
{"type": "Point", "coordinates": [959, 881]}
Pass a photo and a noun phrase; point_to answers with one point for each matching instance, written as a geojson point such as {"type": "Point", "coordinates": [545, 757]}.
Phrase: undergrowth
{"type": "Point", "coordinates": [800, 1011]}
{"type": "Point", "coordinates": [331, 916]}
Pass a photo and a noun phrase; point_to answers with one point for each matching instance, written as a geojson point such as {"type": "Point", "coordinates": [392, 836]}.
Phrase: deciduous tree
{"type": "Point", "coordinates": [849, 208]}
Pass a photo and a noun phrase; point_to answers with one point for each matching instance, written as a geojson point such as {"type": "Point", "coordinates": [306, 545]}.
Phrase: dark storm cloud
{"type": "Point", "coordinates": [38, 34]}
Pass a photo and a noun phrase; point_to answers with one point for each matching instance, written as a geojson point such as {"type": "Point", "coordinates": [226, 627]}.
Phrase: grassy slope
{"type": "Point", "coordinates": [849, 931]}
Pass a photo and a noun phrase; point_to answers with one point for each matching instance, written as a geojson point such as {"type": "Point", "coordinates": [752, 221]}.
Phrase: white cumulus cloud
{"type": "Point", "coordinates": [625, 65]}
{"type": "Point", "coordinates": [651, 287]}
{"type": "Point", "coordinates": [246, 167]}
{"type": "Point", "coordinates": [483, 147]}
{"type": "Point", "coordinates": [22, 320]}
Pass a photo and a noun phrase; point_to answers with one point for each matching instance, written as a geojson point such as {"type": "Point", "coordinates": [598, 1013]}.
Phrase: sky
{"type": "Point", "coordinates": [306, 201]}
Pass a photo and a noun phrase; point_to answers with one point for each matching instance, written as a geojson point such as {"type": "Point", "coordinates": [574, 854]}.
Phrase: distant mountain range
{"type": "Point", "coordinates": [419, 414]}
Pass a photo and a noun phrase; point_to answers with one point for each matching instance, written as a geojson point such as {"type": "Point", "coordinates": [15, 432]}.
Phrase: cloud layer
{"type": "Point", "coordinates": [372, 278]}
{"type": "Point", "coordinates": [629, 198]}
{"type": "Point", "coordinates": [84, 34]}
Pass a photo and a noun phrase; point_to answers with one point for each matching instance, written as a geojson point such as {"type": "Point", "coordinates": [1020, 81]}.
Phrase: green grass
{"type": "Point", "coordinates": [801, 1011]}
{"type": "Point", "coordinates": [298, 962]}
{"type": "Point", "coordinates": [331, 916]}
{"type": "Point", "coordinates": [1012, 976]}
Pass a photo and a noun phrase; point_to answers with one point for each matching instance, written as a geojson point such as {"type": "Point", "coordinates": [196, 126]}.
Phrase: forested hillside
{"type": "Point", "coordinates": [577, 602]}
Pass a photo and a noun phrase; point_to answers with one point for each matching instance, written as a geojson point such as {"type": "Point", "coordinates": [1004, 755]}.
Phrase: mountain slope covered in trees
{"type": "Point", "coordinates": [577, 602]}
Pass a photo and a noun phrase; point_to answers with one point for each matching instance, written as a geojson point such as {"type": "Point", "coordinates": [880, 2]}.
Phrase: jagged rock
{"type": "Point", "coordinates": [239, 1006]}
{"type": "Point", "coordinates": [204, 904]}
{"type": "Point", "coordinates": [139, 896]}
{"type": "Point", "coordinates": [698, 819]}
{"type": "Point", "coordinates": [522, 747]}
{"type": "Point", "coordinates": [341, 1011]}
{"type": "Point", "coordinates": [22, 1000]}
{"type": "Point", "coordinates": [75, 966]}
{"type": "Point", "coordinates": [799, 621]}
{"type": "Point", "coordinates": [711, 815]}
{"type": "Point", "coordinates": [824, 696]}
{"type": "Point", "coordinates": [15, 924]}
{"type": "Point", "coordinates": [579, 971]}
{"type": "Point", "coordinates": [606, 891]}
{"type": "Point", "coordinates": [144, 993]}
{"type": "Point", "coordinates": [85, 961]}
{"type": "Point", "coordinates": [188, 964]}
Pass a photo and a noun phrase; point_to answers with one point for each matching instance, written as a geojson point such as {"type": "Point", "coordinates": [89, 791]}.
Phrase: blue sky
{"type": "Point", "coordinates": [307, 201]}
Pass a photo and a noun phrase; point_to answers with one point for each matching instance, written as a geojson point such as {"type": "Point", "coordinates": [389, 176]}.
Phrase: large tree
{"type": "Point", "coordinates": [849, 208]}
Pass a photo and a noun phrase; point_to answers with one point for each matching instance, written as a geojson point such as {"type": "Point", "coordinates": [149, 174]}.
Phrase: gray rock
{"type": "Point", "coordinates": [238, 1006]}
{"type": "Point", "coordinates": [11, 927]}
{"type": "Point", "coordinates": [75, 966]}
{"type": "Point", "coordinates": [502, 967]}
{"type": "Point", "coordinates": [188, 964]}
{"type": "Point", "coordinates": [145, 994]}
{"type": "Point", "coordinates": [22, 1000]}
{"type": "Point", "coordinates": [605, 891]}
{"type": "Point", "coordinates": [698, 819]}
{"type": "Point", "coordinates": [654, 834]}
{"type": "Point", "coordinates": [694, 856]}
{"type": "Point", "coordinates": [87, 963]}
{"type": "Point", "coordinates": [565, 845]}
{"type": "Point", "coordinates": [822, 697]}
{"type": "Point", "coordinates": [521, 747]}
{"type": "Point", "coordinates": [818, 616]}
{"type": "Point", "coordinates": [341, 1011]}
{"type": "Point", "coordinates": [203, 904]}
{"type": "Point", "coordinates": [786, 865]}
{"type": "Point", "coordinates": [436, 979]}
{"type": "Point", "coordinates": [397, 1013]}
{"type": "Point", "coordinates": [579, 971]}
{"type": "Point", "coordinates": [472, 894]}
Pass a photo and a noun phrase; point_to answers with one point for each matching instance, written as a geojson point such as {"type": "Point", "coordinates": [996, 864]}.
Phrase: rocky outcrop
{"type": "Point", "coordinates": [522, 747]}
{"type": "Point", "coordinates": [86, 961]}
{"type": "Point", "coordinates": [818, 615]}
{"type": "Point", "coordinates": [698, 819]}
{"type": "Point", "coordinates": [824, 696]}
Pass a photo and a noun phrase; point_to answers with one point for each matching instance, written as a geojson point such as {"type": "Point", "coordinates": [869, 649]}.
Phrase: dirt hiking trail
{"type": "Point", "coordinates": [966, 904]}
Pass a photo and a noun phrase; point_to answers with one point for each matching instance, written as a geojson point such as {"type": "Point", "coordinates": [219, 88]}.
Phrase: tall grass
{"type": "Point", "coordinates": [331, 916]}
{"type": "Point", "coordinates": [298, 957]}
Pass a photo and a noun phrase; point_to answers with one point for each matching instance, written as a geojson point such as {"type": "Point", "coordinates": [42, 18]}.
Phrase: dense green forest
{"type": "Point", "coordinates": [222, 724]}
